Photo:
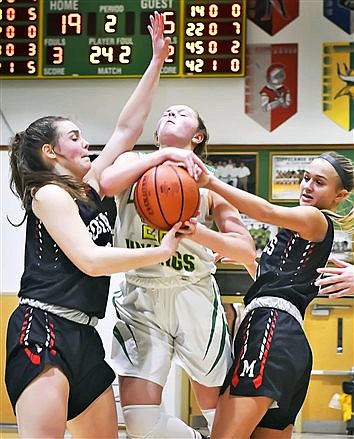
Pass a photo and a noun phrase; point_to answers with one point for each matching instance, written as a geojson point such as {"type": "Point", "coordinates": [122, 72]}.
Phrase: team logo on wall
{"type": "Point", "coordinates": [338, 83]}
{"type": "Point", "coordinates": [341, 13]}
{"type": "Point", "coordinates": [271, 83]}
{"type": "Point", "coordinates": [272, 15]}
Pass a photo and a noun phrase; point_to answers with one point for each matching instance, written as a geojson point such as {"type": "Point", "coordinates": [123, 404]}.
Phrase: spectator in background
{"type": "Point", "coordinates": [243, 174]}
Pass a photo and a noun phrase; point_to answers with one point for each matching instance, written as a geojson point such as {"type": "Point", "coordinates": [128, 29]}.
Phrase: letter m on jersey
{"type": "Point", "coordinates": [248, 369]}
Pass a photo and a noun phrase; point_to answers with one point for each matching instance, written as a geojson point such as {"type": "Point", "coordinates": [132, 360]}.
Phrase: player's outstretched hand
{"type": "Point", "coordinates": [160, 43]}
{"type": "Point", "coordinates": [339, 280]}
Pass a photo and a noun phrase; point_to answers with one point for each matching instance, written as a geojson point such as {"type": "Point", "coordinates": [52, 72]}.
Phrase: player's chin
{"type": "Point", "coordinates": [83, 170]}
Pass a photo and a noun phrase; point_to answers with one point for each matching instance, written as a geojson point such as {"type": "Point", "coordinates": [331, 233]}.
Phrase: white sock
{"type": "Point", "coordinates": [209, 415]}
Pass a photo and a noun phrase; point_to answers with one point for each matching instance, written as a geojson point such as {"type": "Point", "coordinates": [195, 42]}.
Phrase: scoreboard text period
{"type": "Point", "coordinates": [110, 39]}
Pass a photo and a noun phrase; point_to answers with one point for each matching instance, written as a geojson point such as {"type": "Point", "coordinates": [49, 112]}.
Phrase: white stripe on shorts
{"type": "Point", "coordinates": [274, 302]}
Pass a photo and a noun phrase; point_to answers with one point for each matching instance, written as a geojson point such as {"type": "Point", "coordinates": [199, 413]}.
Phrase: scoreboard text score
{"type": "Point", "coordinates": [109, 38]}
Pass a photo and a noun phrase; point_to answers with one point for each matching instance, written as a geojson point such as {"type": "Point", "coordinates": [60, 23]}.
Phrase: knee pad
{"type": "Point", "coordinates": [140, 420]}
{"type": "Point", "coordinates": [150, 421]}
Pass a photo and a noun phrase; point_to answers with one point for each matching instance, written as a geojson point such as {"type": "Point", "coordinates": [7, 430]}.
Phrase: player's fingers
{"type": "Point", "coordinates": [187, 227]}
{"type": "Point", "coordinates": [329, 280]}
{"type": "Point", "coordinates": [189, 165]}
{"type": "Point", "coordinates": [333, 288]}
{"type": "Point", "coordinates": [174, 231]}
{"type": "Point", "coordinates": [197, 172]}
{"type": "Point", "coordinates": [152, 20]}
{"type": "Point", "coordinates": [329, 271]}
{"type": "Point", "coordinates": [340, 263]}
{"type": "Point", "coordinates": [175, 227]}
{"type": "Point", "coordinates": [159, 23]}
{"type": "Point", "coordinates": [200, 163]}
{"type": "Point", "coordinates": [328, 289]}
{"type": "Point", "coordinates": [228, 261]}
{"type": "Point", "coordinates": [194, 169]}
{"type": "Point", "coordinates": [344, 292]}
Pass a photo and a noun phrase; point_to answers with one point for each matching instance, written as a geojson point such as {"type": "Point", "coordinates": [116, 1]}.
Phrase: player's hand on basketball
{"type": "Point", "coordinates": [172, 163]}
{"type": "Point", "coordinates": [204, 178]}
{"type": "Point", "coordinates": [171, 240]}
{"type": "Point", "coordinates": [160, 43]}
{"type": "Point", "coordinates": [186, 158]}
{"type": "Point", "coordinates": [188, 227]}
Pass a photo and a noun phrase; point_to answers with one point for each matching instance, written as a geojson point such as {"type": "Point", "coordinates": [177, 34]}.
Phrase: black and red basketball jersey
{"type": "Point", "coordinates": [287, 268]}
{"type": "Point", "coordinates": [50, 277]}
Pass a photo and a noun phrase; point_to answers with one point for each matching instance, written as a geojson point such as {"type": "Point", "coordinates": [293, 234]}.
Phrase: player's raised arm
{"type": "Point", "coordinates": [131, 121]}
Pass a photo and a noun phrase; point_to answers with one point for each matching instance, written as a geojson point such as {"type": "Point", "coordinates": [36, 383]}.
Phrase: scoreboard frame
{"type": "Point", "coordinates": [53, 39]}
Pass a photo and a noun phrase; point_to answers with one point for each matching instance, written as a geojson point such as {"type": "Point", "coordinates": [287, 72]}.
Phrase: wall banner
{"type": "Point", "coordinates": [272, 15]}
{"type": "Point", "coordinates": [338, 83]}
{"type": "Point", "coordinates": [341, 13]}
{"type": "Point", "coordinates": [271, 83]}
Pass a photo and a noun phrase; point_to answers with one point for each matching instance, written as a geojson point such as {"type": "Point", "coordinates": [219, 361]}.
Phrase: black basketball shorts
{"type": "Point", "coordinates": [36, 338]}
{"type": "Point", "coordinates": [272, 358]}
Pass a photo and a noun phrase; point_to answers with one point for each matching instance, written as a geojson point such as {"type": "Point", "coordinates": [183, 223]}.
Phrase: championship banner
{"type": "Point", "coordinates": [272, 15]}
{"type": "Point", "coordinates": [271, 83]}
{"type": "Point", "coordinates": [341, 13]}
{"type": "Point", "coordinates": [338, 83]}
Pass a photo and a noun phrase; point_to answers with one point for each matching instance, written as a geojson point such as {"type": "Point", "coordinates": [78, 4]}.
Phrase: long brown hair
{"type": "Point", "coordinates": [29, 171]}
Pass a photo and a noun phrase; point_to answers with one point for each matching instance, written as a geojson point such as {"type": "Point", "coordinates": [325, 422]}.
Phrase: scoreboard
{"type": "Point", "coordinates": [109, 38]}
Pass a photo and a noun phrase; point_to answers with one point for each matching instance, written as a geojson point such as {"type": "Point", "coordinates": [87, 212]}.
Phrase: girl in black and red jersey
{"type": "Point", "coordinates": [266, 386]}
{"type": "Point", "coordinates": [55, 369]}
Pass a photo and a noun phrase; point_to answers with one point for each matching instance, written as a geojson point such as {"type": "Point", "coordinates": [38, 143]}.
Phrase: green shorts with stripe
{"type": "Point", "coordinates": [182, 321]}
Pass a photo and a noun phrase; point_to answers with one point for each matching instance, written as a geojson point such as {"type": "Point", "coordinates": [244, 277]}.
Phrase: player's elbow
{"type": "Point", "coordinates": [107, 184]}
{"type": "Point", "coordinates": [89, 264]}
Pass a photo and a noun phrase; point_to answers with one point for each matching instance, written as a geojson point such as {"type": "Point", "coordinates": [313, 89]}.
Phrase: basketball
{"type": "Point", "coordinates": [165, 195]}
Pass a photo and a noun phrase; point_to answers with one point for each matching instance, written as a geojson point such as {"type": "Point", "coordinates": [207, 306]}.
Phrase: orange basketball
{"type": "Point", "coordinates": [165, 195]}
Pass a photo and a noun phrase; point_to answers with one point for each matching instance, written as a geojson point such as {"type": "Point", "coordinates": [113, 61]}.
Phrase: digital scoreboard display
{"type": "Point", "coordinates": [110, 39]}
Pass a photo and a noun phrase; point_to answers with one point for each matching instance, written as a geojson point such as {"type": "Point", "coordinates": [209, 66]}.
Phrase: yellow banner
{"type": "Point", "coordinates": [338, 83]}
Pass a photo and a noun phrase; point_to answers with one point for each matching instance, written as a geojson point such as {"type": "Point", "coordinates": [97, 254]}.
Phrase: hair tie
{"type": "Point", "coordinates": [340, 171]}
